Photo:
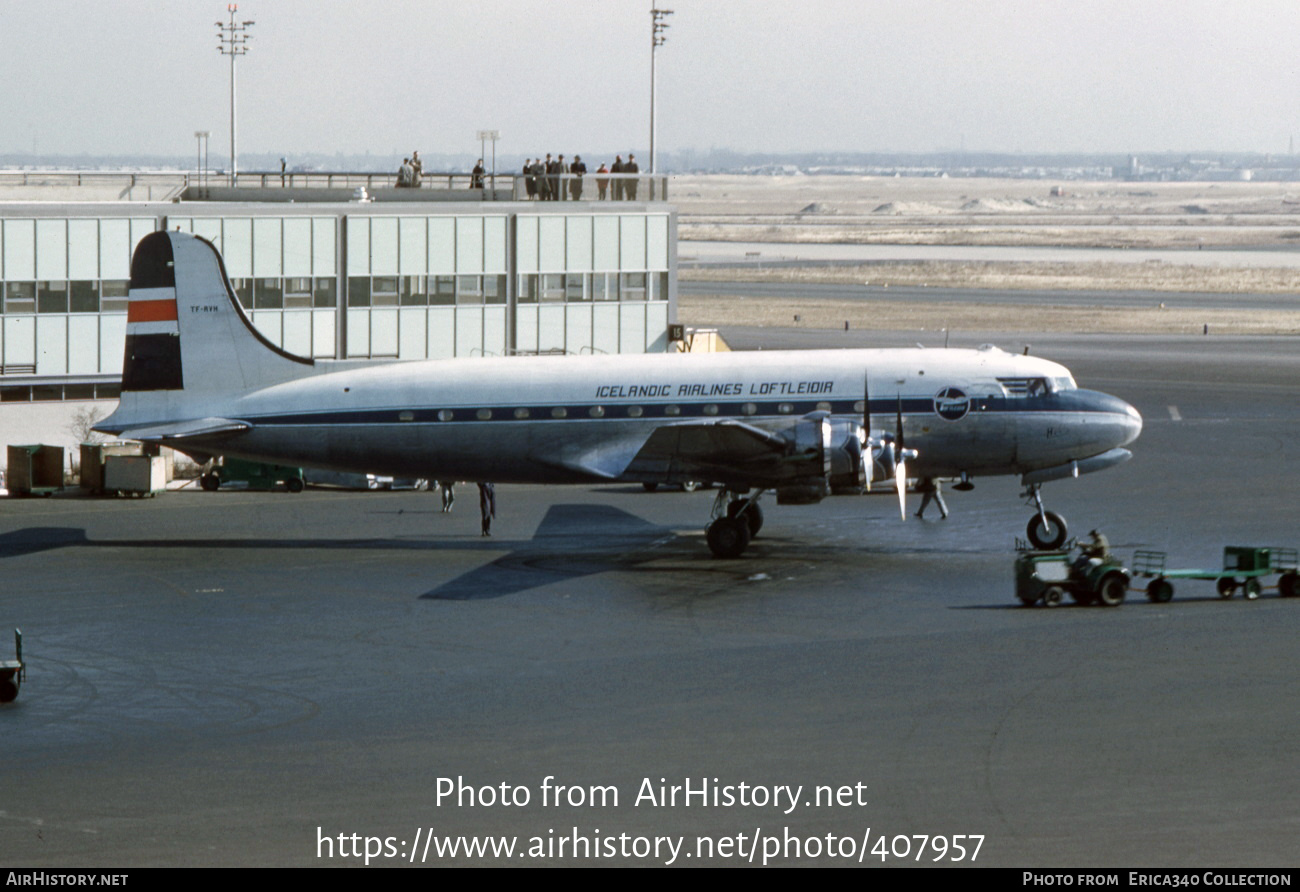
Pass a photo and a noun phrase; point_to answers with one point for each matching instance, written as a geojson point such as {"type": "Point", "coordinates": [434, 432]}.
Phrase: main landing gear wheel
{"type": "Point", "coordinates": [753, 515]}
{"type": "Point", "coordinates": [1047, 536]}
{"type": "Point", "coordinates": [728, 537]}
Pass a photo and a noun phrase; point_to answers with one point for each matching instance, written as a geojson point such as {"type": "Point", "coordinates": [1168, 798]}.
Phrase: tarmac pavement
{"type": "Point", "coordinates": [241, 678]}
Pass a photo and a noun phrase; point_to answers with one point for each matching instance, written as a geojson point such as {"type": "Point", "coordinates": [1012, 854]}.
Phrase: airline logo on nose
{"type": "Point", "coordinates": [951, 403]}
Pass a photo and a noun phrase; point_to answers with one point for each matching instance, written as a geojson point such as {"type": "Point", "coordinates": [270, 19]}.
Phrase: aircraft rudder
{"type": "Point", "coordinates": [153, 348]}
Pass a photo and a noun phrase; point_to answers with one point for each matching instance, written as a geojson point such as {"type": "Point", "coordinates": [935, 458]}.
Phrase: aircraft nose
{"type": "Point", "coordinates": [1116, 423]}
{"type": "Point", "coordinates": [1122, 422]}
{"type": "Point", "coordinates": [1132, 424]}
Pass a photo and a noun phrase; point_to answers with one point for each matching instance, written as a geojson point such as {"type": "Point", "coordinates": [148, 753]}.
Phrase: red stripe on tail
{"type": "Point", "coordinates": [151, 311]}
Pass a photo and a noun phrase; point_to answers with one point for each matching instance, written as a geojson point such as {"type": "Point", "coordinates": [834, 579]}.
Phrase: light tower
{"type": "Point", "coordinates": [234, 38]}
{"type": "Point", "coordinates": [657, 39]}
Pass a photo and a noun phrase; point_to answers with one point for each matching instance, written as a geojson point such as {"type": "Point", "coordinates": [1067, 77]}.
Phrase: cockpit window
{"type": "Point", "coordinates": [1029, 387]}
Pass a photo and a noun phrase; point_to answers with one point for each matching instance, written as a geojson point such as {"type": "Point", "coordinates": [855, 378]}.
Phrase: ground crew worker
{"type": "Point", "coordinates": [931, 490]}
{"type": "Point", "coordinates": [487, 503]}
{"type": "Point", "coordinates": [1098, 546]}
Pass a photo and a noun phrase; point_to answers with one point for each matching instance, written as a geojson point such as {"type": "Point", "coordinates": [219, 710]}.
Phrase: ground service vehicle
{"type": "Point", "coordinates": [258, 475]}
{"type": "Point", "coordinates": [12, 672]}
{"type": "Point", "coordinates": [1046, 577]}
{"type": "Point", "coordinates": [1244, 567]}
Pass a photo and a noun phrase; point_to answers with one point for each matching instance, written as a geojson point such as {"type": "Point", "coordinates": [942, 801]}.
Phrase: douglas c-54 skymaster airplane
{"type": "Point", "coordinates": [198, 377]}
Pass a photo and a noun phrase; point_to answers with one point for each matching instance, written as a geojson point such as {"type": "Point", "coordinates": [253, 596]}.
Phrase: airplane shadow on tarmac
{"type": "Point", "coordinates": [572, 541]}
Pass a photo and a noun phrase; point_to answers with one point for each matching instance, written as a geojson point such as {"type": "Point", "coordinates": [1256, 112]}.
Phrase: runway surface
{"type": "Point", "coordinates": [229, 678]}
{"type": "Point", "coordinates": [1024, 297]}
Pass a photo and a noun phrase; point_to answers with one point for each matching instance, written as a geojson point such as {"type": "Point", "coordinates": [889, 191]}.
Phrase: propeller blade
{"type": "Point", "coordinates": [866, 403]}
{"type": "Point", "coordinates": [867, 458]}
{"type": "Point", "coordinates": [900, 482]}
{"type": "Point", "coordinates": [901, 445]}
{"type": "Point", "coordinates": [900, 465]}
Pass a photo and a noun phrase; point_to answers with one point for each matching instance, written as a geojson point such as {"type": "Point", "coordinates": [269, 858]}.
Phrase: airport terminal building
{"type": "Point", "coordinates": [384, 280]}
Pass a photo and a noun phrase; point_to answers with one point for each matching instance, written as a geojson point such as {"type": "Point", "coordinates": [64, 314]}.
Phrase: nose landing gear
{"type": "Point", "coordinates": [1046, 529]}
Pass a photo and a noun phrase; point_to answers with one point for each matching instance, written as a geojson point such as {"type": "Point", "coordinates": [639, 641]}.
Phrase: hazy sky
{"type": "Point", "coordinates": [140, 76]}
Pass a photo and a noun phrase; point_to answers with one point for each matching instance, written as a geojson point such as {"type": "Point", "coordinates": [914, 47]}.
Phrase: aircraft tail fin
{"type": "Point", "coordinates": [189, 344]}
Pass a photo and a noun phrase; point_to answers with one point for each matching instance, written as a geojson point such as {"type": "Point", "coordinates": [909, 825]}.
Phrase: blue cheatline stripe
{"type": "Point", "coordinates": [882, 412]}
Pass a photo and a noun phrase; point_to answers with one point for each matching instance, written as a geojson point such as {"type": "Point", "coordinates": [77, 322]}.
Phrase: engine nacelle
{"type": "Point", "coordinates": [832, 456]}
{"type": "Point", "coordinates": [849, 465]}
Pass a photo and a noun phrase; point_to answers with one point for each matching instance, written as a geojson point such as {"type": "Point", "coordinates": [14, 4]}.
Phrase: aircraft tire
{"type": "Point", "coordinates": [210, 482]}
{"type": "Point", "coordinates": [1050, 537]}
{"type": "Point", "coordinates": [1112, 590]}
{"type": "Point", "coordinates": [1160, 590]}
{"type": "Point", "coordinates": [753, 515]}
{"type": "Point", "coordinates": [728, 537]}
{"type": "Point", "coordinates": [1052, 596]}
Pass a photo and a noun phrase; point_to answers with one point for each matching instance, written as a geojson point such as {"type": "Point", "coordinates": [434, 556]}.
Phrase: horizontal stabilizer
{"type": "Point", "coordinates": [182, 430]}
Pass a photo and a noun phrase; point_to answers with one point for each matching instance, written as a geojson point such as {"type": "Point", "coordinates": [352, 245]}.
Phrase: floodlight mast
{"type": "Point", "coordinates": [234, 39]}
{"type": "Point", "coordinates": [657, 39]}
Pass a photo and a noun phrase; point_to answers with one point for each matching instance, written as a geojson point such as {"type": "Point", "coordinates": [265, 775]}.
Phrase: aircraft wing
{"type": "Point", "coordinates": [722, 450]}
{"type": "Point", "coordinates": [184, 430]}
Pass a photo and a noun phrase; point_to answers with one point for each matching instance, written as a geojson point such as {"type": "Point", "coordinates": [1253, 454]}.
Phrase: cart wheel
{"type": "Point", "coordinates": [294, 484]}
{"type": "Point", "coordinates": [1047, 537]}
{"type": "Point", "coordinates": [1160, 590]}
{"type": "Point", "coordinates": [1289, 585]}
{"type": "Point", "coordinates": [1253, 588]}
{"type": "Point", "coordinates": [1112, 590]}
{"type": "Point", "coordinates": [1226, 586]}
{"type": "Point", "coordinates": [8, 691]}
{"type": "Point", "coordinates": [210, 482]}
{"type": "Point", "coordinates": [1052, 596]}
{"type": "Point", "coordinates": [1027, 601]}
{"type": "Point", "coordinates": [1082, 596]}
{"type": "Point", "coordinates": [649, 487]}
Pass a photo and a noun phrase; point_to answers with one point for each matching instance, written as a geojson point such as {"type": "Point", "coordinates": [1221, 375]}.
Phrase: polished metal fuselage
{"type": "Point", "coordinates": [577, 419]}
